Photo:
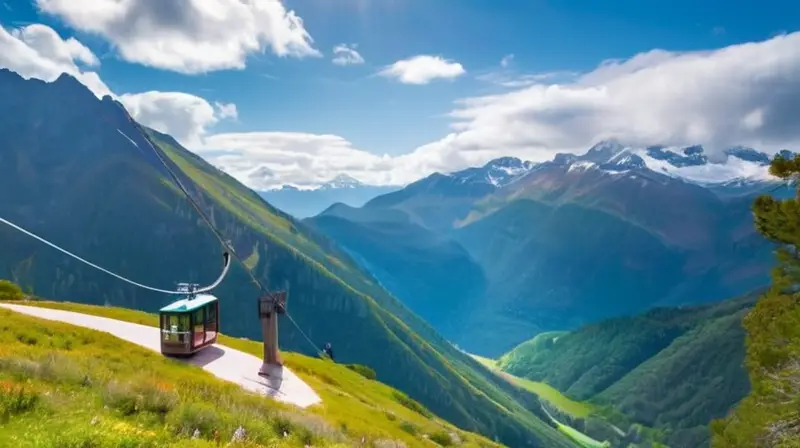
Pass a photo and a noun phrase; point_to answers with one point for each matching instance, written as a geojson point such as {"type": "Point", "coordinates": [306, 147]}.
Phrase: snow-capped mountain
{"type": "Point", "coordinates": [341, 181]}
{"type": "Point", "coordinates": [304, 203]}
{"type": "Point", "coordinates": [683, 157]}
{"type": "Point", "coordinates": [743, 170]}
{"type": "Point", "coordinates": [742, 167]}
{"type": "Point", "coordinates": [497, 172]}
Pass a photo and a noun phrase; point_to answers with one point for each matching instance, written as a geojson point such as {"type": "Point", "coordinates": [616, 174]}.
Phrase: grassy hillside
{"type": "Point", "coordinates": [62, 385]}
{"type": "Point", "coordinates": [107, 198]}
{"type": "Point", "coordinates": [672, 369]}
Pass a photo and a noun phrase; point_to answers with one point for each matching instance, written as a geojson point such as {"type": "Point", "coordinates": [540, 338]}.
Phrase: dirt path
{"type": "Point", "coordinates": [223, 362]}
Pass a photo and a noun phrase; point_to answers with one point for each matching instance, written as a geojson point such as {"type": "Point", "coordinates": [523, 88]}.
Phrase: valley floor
{"type": "Point", "coordinates": [555, 398]}
{"type": "Point", "coordinates": [543, 390]}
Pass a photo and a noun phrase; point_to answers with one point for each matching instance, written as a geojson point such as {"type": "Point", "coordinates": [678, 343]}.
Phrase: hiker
{"type": "Point", "coordinates": [329, 351]}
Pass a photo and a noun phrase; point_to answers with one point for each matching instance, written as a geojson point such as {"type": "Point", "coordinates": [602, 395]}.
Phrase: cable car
{"type": "Point", "coordinates": [189, 324]}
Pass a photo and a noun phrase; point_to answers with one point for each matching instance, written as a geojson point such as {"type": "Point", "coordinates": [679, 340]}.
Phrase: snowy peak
{"type": "Point", "coordinates": [679, 157]}
{"type": "Point", "coordinates": [623, 161]}
{"type": "Point", "coordinates": [497, 172]}
{"type": "Point", "coordinates": [564, 159]}
{"type": "Point", "coordinates": [608, 155]}
{"type": "Point", "coordinates": [748, 155]}
{"type": "Point", "coordinates": [510, 164]}
{"type": "Point", "coordinates": [341, 181]}
{"type": "Point", "coordinates": [695, 155]}
{"type": "Point", "coordinates": [603, 151]}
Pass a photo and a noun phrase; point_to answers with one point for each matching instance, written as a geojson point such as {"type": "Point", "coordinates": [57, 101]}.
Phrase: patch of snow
{"type": "Point", "coordinates": [582, 165]}
{"type": "Point", "coordinates": [732, 168]}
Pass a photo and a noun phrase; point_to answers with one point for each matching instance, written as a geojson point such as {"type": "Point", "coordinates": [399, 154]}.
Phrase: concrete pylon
{"type": "Point", "coordinates": [269, 307]}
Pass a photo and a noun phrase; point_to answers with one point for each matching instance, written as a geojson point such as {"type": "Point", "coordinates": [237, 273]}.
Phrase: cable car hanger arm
{"type": "Point", "coordinates": [227, 257]}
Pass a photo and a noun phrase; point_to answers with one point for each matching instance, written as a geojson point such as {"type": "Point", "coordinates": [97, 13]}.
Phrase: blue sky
{"type": "Point", "coordinates": [306, 105]}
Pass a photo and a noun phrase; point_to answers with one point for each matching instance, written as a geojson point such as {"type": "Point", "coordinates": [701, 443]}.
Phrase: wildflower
{"type": "Point", "coordinates": [239, 435]}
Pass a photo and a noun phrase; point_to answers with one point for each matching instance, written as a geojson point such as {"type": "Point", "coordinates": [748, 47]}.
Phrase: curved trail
{"type": "Point", "coordinates": [223, 362]}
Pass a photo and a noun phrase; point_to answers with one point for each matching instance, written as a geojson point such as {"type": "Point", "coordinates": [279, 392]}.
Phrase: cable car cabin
{"type": "Point", "coordinates": [189, 325]}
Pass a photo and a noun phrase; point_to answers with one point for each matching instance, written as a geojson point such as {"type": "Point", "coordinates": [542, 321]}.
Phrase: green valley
{"type": "Point", "coordinates": [671, 369]}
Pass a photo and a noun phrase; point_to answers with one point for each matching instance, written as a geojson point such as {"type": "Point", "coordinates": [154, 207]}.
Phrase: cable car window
{"type": "Point", "coordinates": [211, 321]}
{"type": "Point", "coordinates": [173, 325]}
{"type": "Point", "coordinates": [199, 327]}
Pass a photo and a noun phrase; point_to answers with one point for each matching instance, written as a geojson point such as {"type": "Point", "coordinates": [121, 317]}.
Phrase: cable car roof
{"type": "Point", "coordinates": [188, 304]}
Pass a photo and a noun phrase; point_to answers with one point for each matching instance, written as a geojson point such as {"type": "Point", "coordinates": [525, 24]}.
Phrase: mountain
{"type": "Point", "coordinates": [87, 178]}
{"type": "Point", "coordinates": [303, 203]}
{"type": "Point", "coordinates": [559, 244]}
{"type": "Point", "coordinates": [433, 201]}
{"type": "Point", "coordinates": [672, 369]}
{"type": "Point", "coordinates": [392, 236]}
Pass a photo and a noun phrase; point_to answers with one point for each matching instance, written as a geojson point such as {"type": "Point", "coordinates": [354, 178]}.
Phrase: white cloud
{"type": "Point", "coordinates": [193, 36]}
{"type": "Point", "coordinates": [745, 94]}
{"type": "Point", "coordinates": [344, 54]}
{"type": "Point", "coordinates": [37, 51]}
{"type": "Point", "coordinates": [506, 61]}
{"type": "Point", "coordinates": [514, 80]}
{"type": "Point", "coordinates": [184, 116]}
{"type": "Point", "coordinates": [740, 95]}
{"type": "Point", "coordinates": [226, 110]}
{"type": "Point", "coordinates": [266, 159]}
{"type": "Point", "coordinates": [423, 69]}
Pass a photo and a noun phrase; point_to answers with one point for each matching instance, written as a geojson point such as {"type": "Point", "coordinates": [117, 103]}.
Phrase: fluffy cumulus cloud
{"type": "Point", "coordinates": [746, 94]}
{"type": "Point", "coordinates": [264, 160]}
{"type": "Point", "coordinates": [226, 110]}
{"type": "Point", "coordinates": [189, 36]}
{"type": "Point", "coordinates": [37, 51]}
{"type": "Point", "coordinates": [423, 69]}
{"type": "Point", "coordinates": [184, 116]}
{"type": "Point", "coordinates": [346, 55]}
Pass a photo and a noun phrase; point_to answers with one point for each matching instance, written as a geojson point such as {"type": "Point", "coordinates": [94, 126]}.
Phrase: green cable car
{"type": "Point", "coordinates": [189, 325]}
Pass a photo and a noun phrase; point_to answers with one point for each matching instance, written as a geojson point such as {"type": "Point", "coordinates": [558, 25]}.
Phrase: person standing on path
{"type": "Point", "coordinates": [329, 351]}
